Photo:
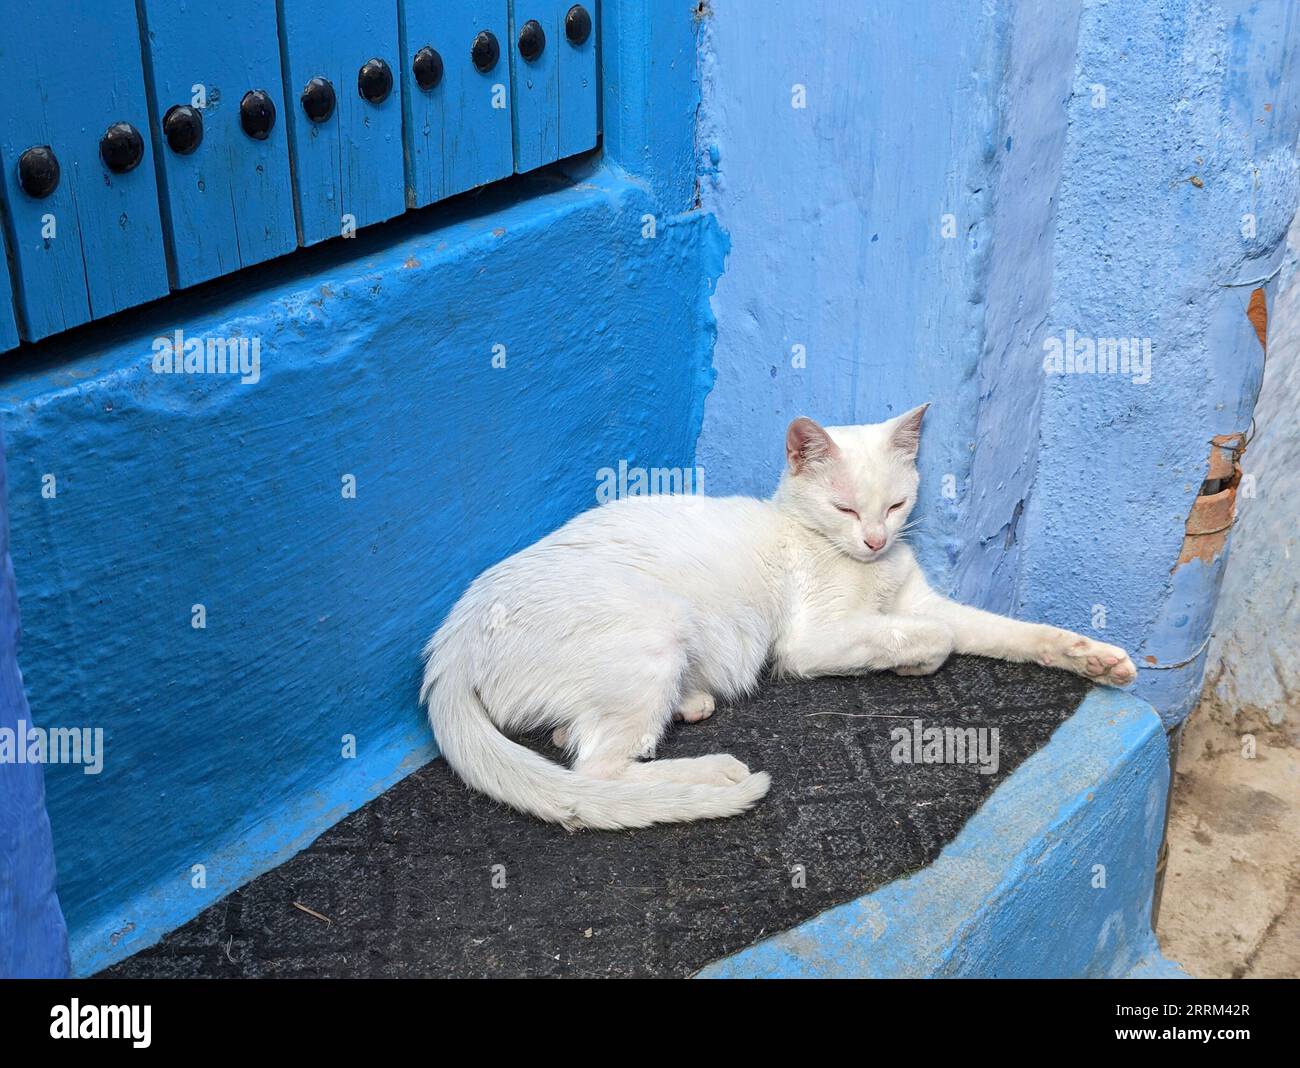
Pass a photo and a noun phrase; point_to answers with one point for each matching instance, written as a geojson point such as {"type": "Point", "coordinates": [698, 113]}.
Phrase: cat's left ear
{"type": "Point", "coordinates": [906, 434]}
{"type": "Point", "coordinates": [807, 443]}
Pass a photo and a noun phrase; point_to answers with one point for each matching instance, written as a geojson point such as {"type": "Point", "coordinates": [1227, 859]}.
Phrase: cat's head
{"type": "Point", "coordinates": [856, 485]}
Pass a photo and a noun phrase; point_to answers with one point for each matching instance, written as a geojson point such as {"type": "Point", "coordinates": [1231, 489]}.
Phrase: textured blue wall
{"type": "Point", "coordinates": [835, 215]}
{"type": "Point", "coordinates": [224, 745]}
{"type": "Point", "coordinates": [1142, 249]}
{"type": "Point", "coordinates": [1062, 139]}
{"type": "Point", "coordinates": [1253, 663]}
{"type": "Point", "coordinates": [33, 938]}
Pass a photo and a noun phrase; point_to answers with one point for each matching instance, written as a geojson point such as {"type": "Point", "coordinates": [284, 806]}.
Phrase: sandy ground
{"type": "Point", "coordinates": [1231, 905]}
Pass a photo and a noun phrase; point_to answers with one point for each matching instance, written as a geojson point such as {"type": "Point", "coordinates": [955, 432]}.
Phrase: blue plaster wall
{"type": "Point", "coordinates": [224, 745]}
{"type": "Point", "coordinates": [1142, 249]}
{"type": "Point", "coordinates": [834, 213]}
{"type": "Point", "coordinates": [33, 937]}
{"type": "Point", "coordinates": [1071, 492]}
{"type": "Point", "coordinates": [1253, 662]}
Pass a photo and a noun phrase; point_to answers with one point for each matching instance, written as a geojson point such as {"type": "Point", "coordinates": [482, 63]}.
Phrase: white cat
{"type": "Point", "coordinates": [651, 608]}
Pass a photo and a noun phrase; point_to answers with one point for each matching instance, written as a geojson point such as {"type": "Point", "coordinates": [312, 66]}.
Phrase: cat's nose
{"type": "Point", "coordinates": [874, 542]}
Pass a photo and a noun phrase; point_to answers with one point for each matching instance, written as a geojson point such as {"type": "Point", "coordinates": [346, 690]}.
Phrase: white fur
{"type": "Point", "coordinates": [651, 608]}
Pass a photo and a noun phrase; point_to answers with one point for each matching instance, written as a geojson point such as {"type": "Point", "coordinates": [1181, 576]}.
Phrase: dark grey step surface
{"type": "Point", "coordinates": [430, 879]}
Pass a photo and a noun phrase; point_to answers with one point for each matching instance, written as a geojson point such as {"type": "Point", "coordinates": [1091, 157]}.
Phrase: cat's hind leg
{"type": "Point", "coordinates": [560, 738]}
{"type": "Point", "coordinates": [695, 707]}
{"type": "Point", "coordinates": [717, 769]}
{"type": "Point", "coordinates": [609, 744]}
{"type": "Point", "coordinates": [615, 756]}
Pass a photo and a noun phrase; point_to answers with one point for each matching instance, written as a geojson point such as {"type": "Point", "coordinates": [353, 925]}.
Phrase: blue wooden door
{"type": "Point", "coordinates": [553, 69]}
{"type": "Point", "coordinates": [344, 102]}
{"type": "Point", "coordinates": [577, 79]}
{"type": "Point", "coordinates": [148, 145]}
{"type": "Point", "coordinates": [456, 84]}
{"type": "Point", "coordinates": [223, 148]}
{"type": "Point", "coordinates": [77, 163]}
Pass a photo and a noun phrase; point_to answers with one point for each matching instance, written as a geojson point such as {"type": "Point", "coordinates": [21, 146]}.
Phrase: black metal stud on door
{"type": "Point", "coordinates": [427, 68]}
{"type": "Point", "coordinates": [577, 25]}
{"type": "Point", "coordinates": [38, 171]}
{"type": "Point", "coordinates": [375, 81]}
{"type": "Point", "coordinates": [485, 51]}
{"type": "Point", "coordinates": [183, 128]}
{"type": "Point", "coordinates": [532, 41]}
{"type": "Point", "coordinates": [121, 148]}
{"type": "Point", "coordinates": [257, 114]}
{"type": "Point", "coordinates": [318, 99]}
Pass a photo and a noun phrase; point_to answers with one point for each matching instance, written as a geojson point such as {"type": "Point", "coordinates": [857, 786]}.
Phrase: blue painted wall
{"type": "Point", "coordinates": [1085, 190]}
{"type": "Point", "coordinates": [1142, 249]}
{"type": "Point", "coordinates": [1253, 662]}
{"type": "Point", "coordinates": [33, 938]}
{"type": "Point", "coordinates": [835, 215]}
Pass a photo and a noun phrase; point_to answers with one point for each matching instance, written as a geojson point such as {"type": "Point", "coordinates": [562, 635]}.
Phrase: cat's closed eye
{"type": "Point", "coordinates": [847, 511]}
{"type": "Point", "coordinates": [896, 506]}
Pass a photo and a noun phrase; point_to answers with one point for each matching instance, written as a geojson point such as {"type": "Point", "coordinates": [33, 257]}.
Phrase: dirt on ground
{"type": "Point", "coordinates": [1231, 906]}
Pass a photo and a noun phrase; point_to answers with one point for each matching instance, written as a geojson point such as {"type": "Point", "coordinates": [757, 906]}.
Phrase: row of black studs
{"type": "Point", "coordinates": [122, 147]}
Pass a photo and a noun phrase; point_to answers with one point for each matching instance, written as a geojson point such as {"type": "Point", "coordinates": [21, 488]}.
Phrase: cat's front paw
{"type": "Point", "coordinates": [923, 648]}
{"type": "Point", "coordinates": [1106, 664]}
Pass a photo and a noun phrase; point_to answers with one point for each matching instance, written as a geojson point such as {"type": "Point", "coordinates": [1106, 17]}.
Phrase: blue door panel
{"type": "Point", "coordinates": [458, 132]}
{"type": "Point", "coordinates": [227, 202]}
{"type": "Point", "coordinates": [577, 80]}
{"type": "Point", "coordinates": [347, 168]}
{"type": "Point", "coordinates": [94, 244]}
{"type": "Point", "coordinates": [536, 84]}
{"type": "Point", "coordinates": [555, 90]}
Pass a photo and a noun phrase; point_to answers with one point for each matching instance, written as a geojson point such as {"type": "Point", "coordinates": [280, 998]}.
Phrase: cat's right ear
{"type": "Point", "coordinates": [807, 443]}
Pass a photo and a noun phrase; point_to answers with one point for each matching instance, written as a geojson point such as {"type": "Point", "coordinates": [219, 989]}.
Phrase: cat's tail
{"type": "Point", "coordinates": [516, 776]}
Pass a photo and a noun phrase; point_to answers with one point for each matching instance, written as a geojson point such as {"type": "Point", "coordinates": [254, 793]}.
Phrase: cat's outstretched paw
{"type": "Point", "coordinates": [1106, 664]}
{"type": "Point", "coordinates": [695, 707]}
